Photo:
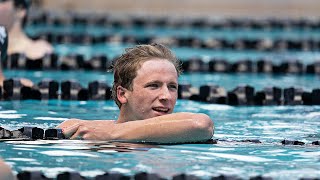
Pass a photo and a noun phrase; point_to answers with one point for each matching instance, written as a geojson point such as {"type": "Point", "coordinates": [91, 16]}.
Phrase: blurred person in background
{"type": "Point", "coordinates": [5, 171]}
{"type": "Point", "coordinates": [3, 50]}
{"type": "Point", "coordinates": [13, 16]}
{"type": "Point", "coordinates": [3, 56]}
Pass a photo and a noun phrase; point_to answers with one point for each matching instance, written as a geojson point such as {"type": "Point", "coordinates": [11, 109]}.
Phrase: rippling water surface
{"type": "Point", "coordinates": [236, 153]}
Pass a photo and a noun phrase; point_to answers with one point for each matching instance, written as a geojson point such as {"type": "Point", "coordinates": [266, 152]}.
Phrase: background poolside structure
{"type": "Point", "coordinates": [204, 8]}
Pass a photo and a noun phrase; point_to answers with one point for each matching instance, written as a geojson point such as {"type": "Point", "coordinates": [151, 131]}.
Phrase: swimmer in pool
{"type": "Point", "coordinates": [5, 172]}
{"type": "Point", "coordinates": [145, 88]}
{"type": "Point", "coordinates": [13, 16]}
{"type": "Point", "coordinates": [3, 55]}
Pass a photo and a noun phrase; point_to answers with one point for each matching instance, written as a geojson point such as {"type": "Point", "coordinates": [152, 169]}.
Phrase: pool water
{"type": "Point", "coordinates": [249, 139]}
{"type": "Point", "coordinates": [236, 152]}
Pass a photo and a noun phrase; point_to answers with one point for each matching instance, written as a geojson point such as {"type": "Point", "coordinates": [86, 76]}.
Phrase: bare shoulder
{"type": "Point", "coordinates": [39, 49]}
{"type": "Point", "coordinates": [43, 44]}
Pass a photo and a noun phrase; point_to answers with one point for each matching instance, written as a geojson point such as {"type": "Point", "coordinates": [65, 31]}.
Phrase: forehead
{"type": "Point", "coordinates": [156, 64]}
{"type": "Point", "coordinates": [6, 2]}
{"type": "Point", "coordinates": [157, 67]}
{"type": "Point", "coordinates": [6, 5]}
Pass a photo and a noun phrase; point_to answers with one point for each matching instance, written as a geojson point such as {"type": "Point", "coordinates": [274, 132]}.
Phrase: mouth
{"type": "Point", "coordinates": [161, 110]}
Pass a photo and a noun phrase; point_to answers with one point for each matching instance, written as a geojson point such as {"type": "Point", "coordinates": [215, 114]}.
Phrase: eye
{"type": "Point", "coordinates": [173, 87]}
{"type": "Point", "coordinates": [153, 85]}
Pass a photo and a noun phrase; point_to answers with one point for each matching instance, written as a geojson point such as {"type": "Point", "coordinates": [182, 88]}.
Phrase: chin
{"type": "Point", "coordinates": [160, 113]}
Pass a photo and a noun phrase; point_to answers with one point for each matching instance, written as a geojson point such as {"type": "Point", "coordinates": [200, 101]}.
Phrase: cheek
{"type": "Point", "coordinates": [143, 93]}
{"type": "Point", "coordinates": [5, 16]}
{"type": "Point", "coordinates": [174, 95]}
{"type": "Point", "coordinates": [2, 13]}
{"type": "Point", "coordinates": [138, 98]}
{"type": "Point", "coordinates": [174, 98]}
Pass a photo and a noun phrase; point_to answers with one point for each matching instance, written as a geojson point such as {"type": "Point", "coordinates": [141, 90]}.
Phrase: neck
{"type": "Point", "coordinates": [17, 38]}
{"type": "Point", "coordinates": [122, 116]}
{"type": "Point", "coordinates": [125, 115]}
{"type": "Point", "coordinates": [16, 33]}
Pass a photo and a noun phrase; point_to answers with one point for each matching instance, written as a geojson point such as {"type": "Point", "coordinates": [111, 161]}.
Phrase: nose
{"type": "Point", "coordinates": [164, 94]}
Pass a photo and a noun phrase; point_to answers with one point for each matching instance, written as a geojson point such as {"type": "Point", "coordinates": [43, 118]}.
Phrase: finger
{"type": "Point", "coordinates": [80, 133]}
{"type": "Point", "coordinates": [68, 123]}
{"type": "Point", "coordinates": [77, 135]}
{"type": "Point", "coordinates": [70, 131]}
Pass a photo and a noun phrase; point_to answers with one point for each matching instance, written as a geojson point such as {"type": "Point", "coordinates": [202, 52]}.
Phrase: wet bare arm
{"type": "Point", "coordinates": [172, 128]}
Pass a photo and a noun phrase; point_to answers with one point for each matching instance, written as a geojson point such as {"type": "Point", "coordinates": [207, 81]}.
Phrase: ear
{"type": "Point", "coordinates": [21, 13]}
{"type": "Point", "coordinates": [122, 94]}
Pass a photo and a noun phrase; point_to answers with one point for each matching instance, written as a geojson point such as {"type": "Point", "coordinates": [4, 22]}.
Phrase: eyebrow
{"type": "Point", "coordinates": [156, 81]}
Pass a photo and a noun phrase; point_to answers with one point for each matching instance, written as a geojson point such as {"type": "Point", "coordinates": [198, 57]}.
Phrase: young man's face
{"type": "Point", "coordinates": [154, 90]}
{"type": "Point", "coordinates": [7, 14]}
